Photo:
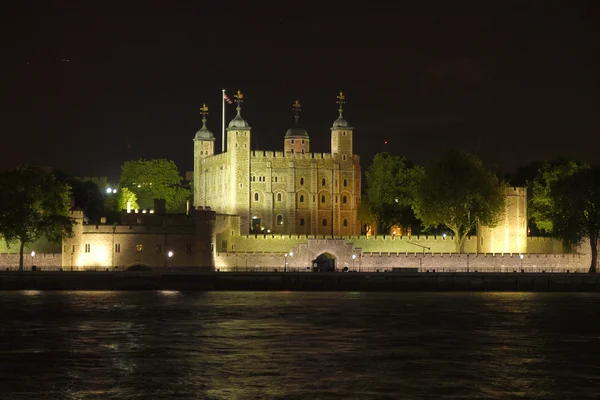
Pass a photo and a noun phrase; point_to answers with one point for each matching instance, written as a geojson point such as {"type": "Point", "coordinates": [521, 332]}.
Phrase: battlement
{"type": "Point", "coordinates": [139, 229]}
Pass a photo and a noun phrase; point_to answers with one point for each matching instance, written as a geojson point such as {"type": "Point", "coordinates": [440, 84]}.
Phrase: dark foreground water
{"type": "Point", "coordinates": [240, 345]}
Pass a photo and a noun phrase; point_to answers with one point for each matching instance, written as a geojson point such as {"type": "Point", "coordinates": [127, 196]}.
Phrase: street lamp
{"type": "Point", "coordinates": [521, 257]}
{"type": "Point", "coordinates": [291, 254]}
{"type": "Point", "coordinates": [169, 255]}
{"type": "Point", "coordinates": [32, 255]}
{"type": "Point", "coordinates": [353, 258]}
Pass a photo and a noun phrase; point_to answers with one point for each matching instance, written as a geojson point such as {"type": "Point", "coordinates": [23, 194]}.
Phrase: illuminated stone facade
{"type": "Point", "coordinates": [291, 192]}
{"type": "Point", "coordinates": [510, 234]}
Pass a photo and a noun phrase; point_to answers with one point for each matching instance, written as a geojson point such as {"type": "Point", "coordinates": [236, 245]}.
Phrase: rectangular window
{"type": "Point", "coordinates": [139, 248]}
{"type": "Point", "coordinates": [87, 247]}
{"type": "Point", "coordinates": [65, 248]}
{"type": "Point", "coordinates": [159, 248]}
{"type": "Point", "coordinates": [188, 248]}
{"type": "Point", "coordinates": [117, 247]}
{"type": "Point", "coordinates": [73, 251]}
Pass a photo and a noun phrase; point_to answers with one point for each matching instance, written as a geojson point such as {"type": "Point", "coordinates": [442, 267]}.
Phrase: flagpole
{"type": "Point", "coordinates": [223, 124]}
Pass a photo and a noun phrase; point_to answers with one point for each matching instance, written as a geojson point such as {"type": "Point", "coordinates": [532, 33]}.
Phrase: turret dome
{"type": "Point", "coordinates": [204, 133]}
{"type": "Point", "coordinates": [296, 130]}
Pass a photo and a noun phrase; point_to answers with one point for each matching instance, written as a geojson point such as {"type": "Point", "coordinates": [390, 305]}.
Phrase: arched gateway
{"type": "Point", "coordinates": [325, 262]}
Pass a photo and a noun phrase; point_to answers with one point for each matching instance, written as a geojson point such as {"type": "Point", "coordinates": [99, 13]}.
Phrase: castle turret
{"type": "Point", "coordinates": [296, 138]}
{"type": "Point", "coordinates": [204, 146]}
{"type": "Point", "coordinates": [238, 146]}
{"type": "Point", "coordinates": [341, 133]}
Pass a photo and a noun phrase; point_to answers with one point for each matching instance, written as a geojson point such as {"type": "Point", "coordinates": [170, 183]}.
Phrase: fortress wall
{"type": "Point", "coordinates": [44, 261]}
{"type": "Point", "coordinates": [283, 243]}
{"type": "Point", "coordinates": [544, 245]}
{"type": "Point", "coordinates": [372, 262]}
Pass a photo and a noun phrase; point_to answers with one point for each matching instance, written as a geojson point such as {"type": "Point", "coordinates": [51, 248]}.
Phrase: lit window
{"type": "Point", "coordinates": [139, 248]}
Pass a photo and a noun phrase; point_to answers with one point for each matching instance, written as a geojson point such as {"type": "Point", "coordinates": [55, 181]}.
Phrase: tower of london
{"type": "Point", "coordinates": [292, 191]}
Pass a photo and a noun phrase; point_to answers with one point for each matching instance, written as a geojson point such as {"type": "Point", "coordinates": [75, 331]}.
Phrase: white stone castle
{"type": "Point", "coordinates": [292, 192]}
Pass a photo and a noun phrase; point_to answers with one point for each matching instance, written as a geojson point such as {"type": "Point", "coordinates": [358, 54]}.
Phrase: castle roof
{"type": "Point", "coordinates": [238, 122]}
{"type": "Point", "coordinates": [341, 122]}
{"type": "Point", "coordinates": [204, 133]}
{"type": "Point", "coordinates": [296, 130]}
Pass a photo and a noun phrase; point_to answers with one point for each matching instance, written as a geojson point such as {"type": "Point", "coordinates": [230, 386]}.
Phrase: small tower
{"type": "Point", "coordinates": [341, 134]}
{"type": "Point", "coordinates": [296, 138]}
{"type": "Point", "coordinates": [204, 146]}
{"type": "Point", "coordinates": [238, 154]}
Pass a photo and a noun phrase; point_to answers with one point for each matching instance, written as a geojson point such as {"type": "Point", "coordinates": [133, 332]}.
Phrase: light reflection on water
{"type": "Point", "coordinates": [251, 345]}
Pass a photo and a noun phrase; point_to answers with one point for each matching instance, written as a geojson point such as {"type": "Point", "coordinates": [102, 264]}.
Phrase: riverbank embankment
{"type": "Point", "coordinates": [368, 282]}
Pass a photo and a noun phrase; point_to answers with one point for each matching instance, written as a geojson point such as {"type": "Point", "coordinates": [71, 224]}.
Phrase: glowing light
{"type": "Point", "coordinates": [444, 236]}
{"type": "Point", "coordinates": [353, 256]}
{"type": "Point", "coordinates": [114, 190]}
{"type": "Point", "coordinates": [143, 211]}
{"type": "Point", "coordinates": [151, 211]}
{"type": "Point", "coordinates": [33, 254]}
{"type": "Point", "coordinates": [170, 254]}
{"type": "Point", "coordinates": [521, 256]}
{"type": "Point", "coordinates": [169, 292]}
{"type": "Point", "coordinates": [291, 253]}
{"type": "Point", "coordinates": [108, 190]}
{"type": "Point", "coordinates": [385, 142]}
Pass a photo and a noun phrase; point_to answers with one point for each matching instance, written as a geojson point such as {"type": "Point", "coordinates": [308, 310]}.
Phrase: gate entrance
{"type": "Point", "coordinates": [325, 262]}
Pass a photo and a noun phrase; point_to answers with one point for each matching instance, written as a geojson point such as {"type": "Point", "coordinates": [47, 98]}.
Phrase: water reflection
{"type": "Point", "coordinates": [225, 345]}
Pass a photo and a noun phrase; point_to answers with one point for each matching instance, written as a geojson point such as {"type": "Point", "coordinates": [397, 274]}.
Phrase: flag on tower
{"type": "Point", "coordinates": [227, 99]}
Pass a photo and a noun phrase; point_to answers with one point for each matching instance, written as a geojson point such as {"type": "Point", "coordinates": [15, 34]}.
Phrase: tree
{"type": "Point", "coordinates": [541, 202]}
{"type": "Point", "coordinates": [576, 209]}
{"type": "Point", "coordinates": [154, 179]}
{"type": "Point", "coordinates": [33, 204]}
{"type": "Point", "coordinates": [391, 185]}
{"type": "Point", "coordinates": [459, 192]}
{"type": "Point", "coordinates": [86, 196]}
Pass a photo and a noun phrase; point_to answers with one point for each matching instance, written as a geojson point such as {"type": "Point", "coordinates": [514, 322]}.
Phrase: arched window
{"type": "Point", "coordinates": [278, 196]}
{"type": "Point", "coordinates": [345, 182]}
{"type": "Point", "coordinates": [344, 199]}
{"type": "Point", "coordinates": [323, 182]}
{"type": "Point", "coordinates": [280, 220]}
{"type": "Point", "coordinates": [301, 198]}
{"type": "Point", "coordinates": [255, 196]}
{"type": "Point", "coordinates": [324, 221]}
{"type": "Point", "coordinates": [301, 221]}
{"type": "Point", "coordinates": [323, 199]}
{"type": "Point", "coordinates": [345, 222]}
{"type": "Point", "coordinates": [301, 181]}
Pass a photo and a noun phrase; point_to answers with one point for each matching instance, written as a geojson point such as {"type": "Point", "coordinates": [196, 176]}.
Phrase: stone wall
{"type": "Point", "coordinates": [45, 261]}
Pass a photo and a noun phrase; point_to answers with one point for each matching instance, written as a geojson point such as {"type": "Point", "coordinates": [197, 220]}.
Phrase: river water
{"type": "Point", "coordinates": [284, 345]}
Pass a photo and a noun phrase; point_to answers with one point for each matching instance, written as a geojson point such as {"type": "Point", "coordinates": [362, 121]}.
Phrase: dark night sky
{"type": "Point", "coordinates": [513, 82]}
